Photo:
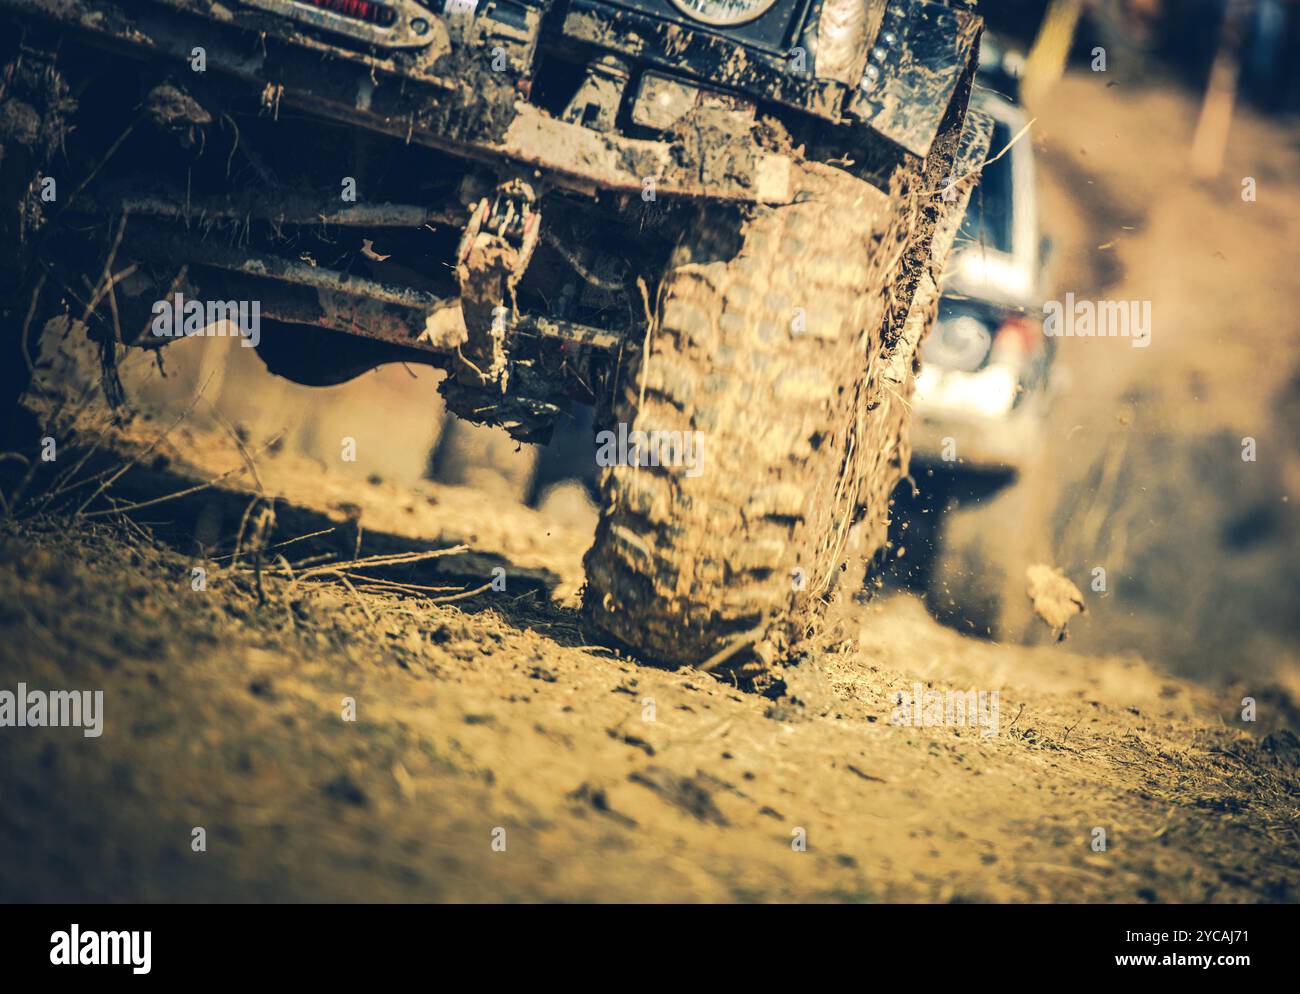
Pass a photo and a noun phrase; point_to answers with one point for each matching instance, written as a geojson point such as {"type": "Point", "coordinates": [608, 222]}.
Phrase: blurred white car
{"type": "Point", "coordinates": [985, 365]}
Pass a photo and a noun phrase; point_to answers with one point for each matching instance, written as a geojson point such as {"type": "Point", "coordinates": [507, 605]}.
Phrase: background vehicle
{"type": "Point", "coordinates": [970, 520]}
{"type": "Point", "coordinates": [707, 218]}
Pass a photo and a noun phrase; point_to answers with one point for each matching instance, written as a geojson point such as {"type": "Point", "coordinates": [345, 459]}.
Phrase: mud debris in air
{"type": "Point", "coordinates": [1056, 600]}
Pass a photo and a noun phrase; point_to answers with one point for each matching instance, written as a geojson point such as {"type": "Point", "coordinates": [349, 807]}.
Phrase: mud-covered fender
{"type": "Point", "coordinates": [914, 66]}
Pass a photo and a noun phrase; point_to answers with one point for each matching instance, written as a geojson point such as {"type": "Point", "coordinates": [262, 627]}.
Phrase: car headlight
{"type": "Point", "coordinates": [960, 342]}
{"type": "Point", "coordinates": [723, 13]}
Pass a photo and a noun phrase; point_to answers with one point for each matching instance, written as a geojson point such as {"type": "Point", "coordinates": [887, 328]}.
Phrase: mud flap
{"type": "Point", "coordinates": [910, 327]}
{"type": "Point", "coordinates": [972, 151]}
{"type": "Point", "coordinates": [916, 62]}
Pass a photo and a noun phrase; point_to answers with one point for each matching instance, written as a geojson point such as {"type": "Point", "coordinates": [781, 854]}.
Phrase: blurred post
{"type": "Point", "coordinates": [1210, 141]}
{"type": "Point", "coordinates": [1045, 63]}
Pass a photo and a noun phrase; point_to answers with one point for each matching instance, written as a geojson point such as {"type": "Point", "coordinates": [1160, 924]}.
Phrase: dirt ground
{"type": "Point", "coordinates": [612, 780]}
{"type": "Point", "coordinates": [497, 753]}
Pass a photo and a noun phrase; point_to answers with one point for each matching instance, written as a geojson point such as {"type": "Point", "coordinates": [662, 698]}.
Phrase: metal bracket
{"type": "Point", "coordinates": [385, 23]}
{"type": "Point", "coordinates": [494, 252]}
{"type": "Point", "coordinates": [596, 103]}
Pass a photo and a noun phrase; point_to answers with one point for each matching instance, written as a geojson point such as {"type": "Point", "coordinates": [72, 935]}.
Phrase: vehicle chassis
{"type": "Point", "coordinates": [464, 91]}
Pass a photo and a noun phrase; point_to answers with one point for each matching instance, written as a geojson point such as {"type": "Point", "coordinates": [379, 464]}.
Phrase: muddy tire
{"type": "Point", "coordinates": [767, 341]}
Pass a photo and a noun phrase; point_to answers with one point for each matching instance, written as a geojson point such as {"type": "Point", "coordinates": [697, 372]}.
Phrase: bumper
{"type": "Point", "coordinates": [987, 444]}
{"type": "Point", "coordinates": [477, 115]}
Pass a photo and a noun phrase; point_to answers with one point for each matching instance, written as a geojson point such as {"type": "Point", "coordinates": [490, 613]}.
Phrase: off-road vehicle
{"type": "Point", "coordinates": [715, 220]}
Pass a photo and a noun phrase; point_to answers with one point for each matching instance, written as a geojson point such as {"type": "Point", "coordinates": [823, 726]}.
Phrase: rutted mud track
{"type": "Point", "coordinates": [493, 712]}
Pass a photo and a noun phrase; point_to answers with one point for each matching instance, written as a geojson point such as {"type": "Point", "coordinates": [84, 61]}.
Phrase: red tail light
{"type": "Point", "coordinates": [1018, 337]}
{"type": "Point", "coordinates": [360, 10]}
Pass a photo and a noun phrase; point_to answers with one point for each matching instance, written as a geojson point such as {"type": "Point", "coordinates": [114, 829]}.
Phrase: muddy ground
{"type": "Point", "coordinates": [612, 780]}
{"type": "Point", "coordinates": [499, 752]}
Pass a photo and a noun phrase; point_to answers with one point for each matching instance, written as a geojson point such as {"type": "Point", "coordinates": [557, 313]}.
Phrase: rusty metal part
{"type": "Point", "coordinates": [278, 208]}
{"type": "Point", "coordinates": [595, 104]}
{"type": "Point", "coordinates": [352, 314]}
{"type": "Point", "coordinates": [326, 297]}
{"type": "Point", "coordinates": [494, 252]}
{"type": "Point", "coordinates": [576, 334]}
{"type": "Point", "coordinates": [292, 271]}
{"type": "Point", "coordinates": [508, 215]}
{"type": "Point", "coordinates": [298, 293]}
{"type": "Point", "coordinates": [387, 23]}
